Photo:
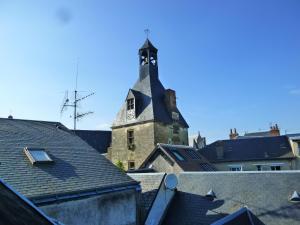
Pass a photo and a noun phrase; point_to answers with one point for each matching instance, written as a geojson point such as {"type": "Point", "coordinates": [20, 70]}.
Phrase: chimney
{"type": "Point", "coordinates": [233, 134]}
{"type": "Point", "coordinates": [274, 130]}
{"type": "Point", "coordinates": [170, 100]}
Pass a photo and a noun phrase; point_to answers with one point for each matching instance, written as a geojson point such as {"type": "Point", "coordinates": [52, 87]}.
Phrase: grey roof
{"type": "Point", "coordinates": [295, 136]}
{"type": "Point", "coordinates": [150, 105]}
{"type": "Point", "coordinates": [17, 210]}
{"type": "Point", "coordinates": [242, 216]}
{"type": "Point", "coordinates": [77, 167]}
{"type": "Point", "coordinates": [266, 194]}
{"type": "Point", "coordinates": [98, 139]}
{"type": "Point", "coordinates": [258, 134]}
{"type": "Point", "coordinates": [260, 148]}
{"type": "Point", "coordinates": [148, 45]}
{"type": "Point", "coordinates": [193, 161]}
{"type": "Point", "coordinates": [150, 183]}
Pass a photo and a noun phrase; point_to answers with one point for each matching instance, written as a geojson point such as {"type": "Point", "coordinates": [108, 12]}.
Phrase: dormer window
{"type": "Point", "coordinates": [130, 109]}
{"type": "Point", "coordinates": [130, 104]}
{"type": "Point", "coordinates": [37, 155]}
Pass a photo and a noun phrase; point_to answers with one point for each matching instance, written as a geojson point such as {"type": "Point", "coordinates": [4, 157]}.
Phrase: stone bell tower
{"type": "Point", "coordinates": [149, 115]}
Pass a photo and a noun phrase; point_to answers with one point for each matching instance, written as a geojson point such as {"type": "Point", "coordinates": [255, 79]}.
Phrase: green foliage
{"type": "Point", "coordinates": [120, 165]}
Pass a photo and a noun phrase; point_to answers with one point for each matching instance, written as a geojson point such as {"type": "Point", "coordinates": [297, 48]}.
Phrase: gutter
{"type": "Point", "coordinates": [51, 199]}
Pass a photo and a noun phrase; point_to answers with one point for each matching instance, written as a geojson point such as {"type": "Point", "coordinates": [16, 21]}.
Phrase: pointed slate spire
{"type": "Point", "coordinates": [148, 45]}
{"type": "Point", "coordinates": [295, 197]}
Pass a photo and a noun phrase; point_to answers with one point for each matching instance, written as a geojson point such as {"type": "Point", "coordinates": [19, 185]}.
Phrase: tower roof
{"type": "Point", "coordinates": [148, 45]}
{"type": "Point", "coordinates": [151, 106]}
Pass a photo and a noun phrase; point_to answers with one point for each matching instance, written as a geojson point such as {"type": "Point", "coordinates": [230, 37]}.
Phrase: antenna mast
{"type": "Point", "coordinates": [74, 104]}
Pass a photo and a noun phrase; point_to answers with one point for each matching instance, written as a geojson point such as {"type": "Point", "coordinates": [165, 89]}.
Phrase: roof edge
{"type": "Point", "coordinates": [50, 199]}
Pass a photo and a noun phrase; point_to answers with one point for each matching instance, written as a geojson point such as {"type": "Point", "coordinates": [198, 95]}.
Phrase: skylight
{"type": "Point", "coordinates": [36, 155]}
{"type": "Point", "coordinates": [178, 156]}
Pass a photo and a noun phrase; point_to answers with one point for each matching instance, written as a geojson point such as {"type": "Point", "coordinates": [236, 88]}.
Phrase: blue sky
{"type": "Point", "coordinates": [233, 63]}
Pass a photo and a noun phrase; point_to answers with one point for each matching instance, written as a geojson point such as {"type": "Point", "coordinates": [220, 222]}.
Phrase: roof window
{"type": "Point", "coordinates": [37, 155]}
{"type": "Point", "coordinates": [178, 156]}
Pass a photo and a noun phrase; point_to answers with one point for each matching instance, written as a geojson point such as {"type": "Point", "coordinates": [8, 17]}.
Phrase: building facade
{"type": "Point", "coordinates": [254, 153]}
{"type": "Point", "coordinates": [148, 116]}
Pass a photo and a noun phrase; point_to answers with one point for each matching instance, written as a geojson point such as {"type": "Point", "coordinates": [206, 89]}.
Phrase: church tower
{"type": "Point", "coordinates": [148, 116]}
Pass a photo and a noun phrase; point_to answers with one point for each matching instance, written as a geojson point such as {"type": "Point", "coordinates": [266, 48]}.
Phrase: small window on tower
{"type": "Point", "coordinates": [144, 58]}
{"type": "Point", "coordinates": [130, 104]}
{"type": "Point", "coordinates": [131, 165]}
{"type": "Point", "coordinates": [130, 139]}
{"type": "Point", "coordinates": [175, 129]}
{"type": "Point", "coordinates": [153, 60]}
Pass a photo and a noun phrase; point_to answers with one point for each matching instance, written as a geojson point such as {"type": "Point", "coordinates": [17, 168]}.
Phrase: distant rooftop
{"type": "Point", "coordinates": [256, 148]}
{"type": "Point", "coordinates": [98, 139]}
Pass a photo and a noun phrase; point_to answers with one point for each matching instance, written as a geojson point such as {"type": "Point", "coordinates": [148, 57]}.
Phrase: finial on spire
{"type": "Point", "coordinates": [147, 32]}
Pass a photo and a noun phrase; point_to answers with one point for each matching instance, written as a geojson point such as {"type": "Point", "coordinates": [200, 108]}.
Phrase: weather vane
{"type": "Point", "coordinates": [147, 32]}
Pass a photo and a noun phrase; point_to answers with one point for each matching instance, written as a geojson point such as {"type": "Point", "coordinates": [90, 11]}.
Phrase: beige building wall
{"type": "Point", "coordinates": [165, 134]}
{"type": "Point", "coordinates": [251, 165]}
{"type": "Point", "coordinates": [146, 136]}
{"type": "Point", "coordinates": [143, 144]}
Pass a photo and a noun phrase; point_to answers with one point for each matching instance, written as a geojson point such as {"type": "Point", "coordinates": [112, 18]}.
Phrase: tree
{"type": "Point", "coordinates": [120, 165]}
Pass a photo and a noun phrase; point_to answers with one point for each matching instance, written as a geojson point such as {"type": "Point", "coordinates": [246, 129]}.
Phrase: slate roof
{"type": "Point", "coordinates": [148, 45]}
{"type": "Point", "coordinates": [17, 210]}
{"type": "Point", "coordinates": [193, 161]}
{"type": "Point", "coordinates": [150, 105]}
{"type": "Point", "coordinates": [150, 183]}
{"type": "Point", "coordinates": [242, 216]}
{"type": "Point", "coordinates": [260, 148]}
{"type": "Point", "coordinates": [98, 139]}
{"type": "Point", "coordinates": [295, 136]}
{"type": "Point", "coordinates": [265, 193]}
{"type": "Point", "coordinates": [258, 134]}
{"type": "Point", "coordinates": [77, 167]}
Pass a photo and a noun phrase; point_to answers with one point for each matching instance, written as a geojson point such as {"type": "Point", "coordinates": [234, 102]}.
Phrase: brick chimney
{"type": "Point", "coordinates": [233, 134]}
{"type": "Point", "coordinates": [170, 100]}
{"type": "Point", "coordinates": [274, 130]}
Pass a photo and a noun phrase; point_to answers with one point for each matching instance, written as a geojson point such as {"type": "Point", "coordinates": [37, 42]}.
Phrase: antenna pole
{"type": "Point", "coordinates": [74, 104]}
{"type": "Point", "coordinates": [75, 108]}
{"type": "Point", "coordinates": [75, 96]}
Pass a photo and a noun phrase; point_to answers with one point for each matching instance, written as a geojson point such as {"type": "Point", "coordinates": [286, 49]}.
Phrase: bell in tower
{"type": "Point", "coordinates": [148, 60]}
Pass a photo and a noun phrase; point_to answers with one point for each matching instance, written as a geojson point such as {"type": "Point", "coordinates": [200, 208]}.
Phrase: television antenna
{"type": "Point", "coordinates": [74, 104]}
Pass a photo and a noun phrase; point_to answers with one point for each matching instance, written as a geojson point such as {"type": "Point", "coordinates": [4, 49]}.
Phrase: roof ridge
{"type": "Point", "coordinates": [30, 120]}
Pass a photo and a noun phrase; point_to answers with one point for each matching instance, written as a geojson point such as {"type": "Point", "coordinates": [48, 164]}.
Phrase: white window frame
{"type": "Point", "coordinates": [32, 159]}
{"type": "Point", "coordinates": [240, 167]}
{"type": "Point", "coordinates": [267, 166]}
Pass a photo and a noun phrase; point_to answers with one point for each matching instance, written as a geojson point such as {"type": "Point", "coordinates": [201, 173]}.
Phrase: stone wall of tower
{"type": "Point", "coordinates": [143, 140]}
{"type": "Point", "coordinates": [165, 134]}
{"type": "Point", "coordinates": [146, 136]}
